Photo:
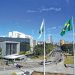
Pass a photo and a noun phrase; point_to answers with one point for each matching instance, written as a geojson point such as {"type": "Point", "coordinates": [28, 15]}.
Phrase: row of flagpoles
{"type": "Point", "coordinates": [67, 27]}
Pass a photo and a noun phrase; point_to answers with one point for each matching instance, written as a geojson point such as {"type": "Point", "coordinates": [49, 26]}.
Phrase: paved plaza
{"type": "Point", "coordinates": [31, 65]}
{"type": "Point", "coordinates": [51, 68]}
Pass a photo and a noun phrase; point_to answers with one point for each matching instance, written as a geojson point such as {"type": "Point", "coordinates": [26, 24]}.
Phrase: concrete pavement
{"type": "Point", "coordinates": [51, 68]}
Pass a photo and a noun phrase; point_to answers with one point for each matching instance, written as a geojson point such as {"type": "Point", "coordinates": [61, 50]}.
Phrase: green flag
{"type": "Point", "coordinates": [67, 27]}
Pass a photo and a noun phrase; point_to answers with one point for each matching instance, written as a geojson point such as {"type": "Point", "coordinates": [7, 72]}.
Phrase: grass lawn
{"type": "Point", "coordinates": [68, 59]}
{"type": "Point", "coordinates": [39, 57]}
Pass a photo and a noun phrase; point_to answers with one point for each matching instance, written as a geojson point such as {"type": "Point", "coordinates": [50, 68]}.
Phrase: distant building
{"type": "Point", "coordinates": [49, 39]}
{"type": "Point", "coordinates": [58, 43]}
{"type": "Point", "coordinates": [62, 42]}
{"type": "Point", "coordinates": [40, 42]}
{"type": "Point", "coordinates": [16, 34]}
{"type": "Point", "coordinates": [67, 42]}
{"type": "Point", "coordinates": [34, 43]}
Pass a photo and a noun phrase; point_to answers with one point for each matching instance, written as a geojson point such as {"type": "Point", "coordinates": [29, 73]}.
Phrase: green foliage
{"type": "Point", "coordinates": [49, 47]}
{"type": "Point", "coordinates": [67, 48]}
{"type": "Point", "coordinates": [39, 49]}
{"type": "Point", "coordinates": [22, 52]}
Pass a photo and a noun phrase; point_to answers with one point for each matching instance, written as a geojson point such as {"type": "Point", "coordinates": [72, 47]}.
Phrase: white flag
{"type": "Point", "coordinates": [41, 29]}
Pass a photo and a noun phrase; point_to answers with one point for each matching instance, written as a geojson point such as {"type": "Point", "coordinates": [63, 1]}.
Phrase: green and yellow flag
{"type": "Point", "coordinates": [67, 27]}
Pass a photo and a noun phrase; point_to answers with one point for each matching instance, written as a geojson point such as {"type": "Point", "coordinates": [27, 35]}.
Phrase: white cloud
{"type": "Point", "coordinates": [44, 10]}
{"type": "Point", "coordinates": [51, 9]}
{"type": "Point", "coordinates": [49, 34]}
{"type": "Point", "coordinates": [3, 35]}
{"type": "Point", "coordinates": [32, 11]}
{"type": "Point", "coordinates": [52, 28]}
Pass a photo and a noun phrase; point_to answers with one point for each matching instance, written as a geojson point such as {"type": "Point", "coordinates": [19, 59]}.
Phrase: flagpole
{"type": "Point", "coordinates": [44, 47]}
{"type": "Point", "coordinates": [73, 44]}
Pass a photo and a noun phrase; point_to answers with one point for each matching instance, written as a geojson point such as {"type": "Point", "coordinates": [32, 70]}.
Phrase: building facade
{"type": "Point", "coordinates": [13, 45]}
{"type": "Point", "coordinates": [16, 34]}
{"type": "Point", "coordinates": [49, 39]}
{"type": "Point", "coordinates": [62, 42]}
{"type": "Point", "coordinates": [34, 43]}
{"type": "Point", "coordinates": [10, 47]}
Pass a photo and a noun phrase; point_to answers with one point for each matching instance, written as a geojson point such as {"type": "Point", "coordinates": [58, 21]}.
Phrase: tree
{"type": "Point", "coordinates": [39, 49]}
{"type": "Point", "coordinates": [49, 47]}
{"type": "Point", "coordinates": [68, 48]}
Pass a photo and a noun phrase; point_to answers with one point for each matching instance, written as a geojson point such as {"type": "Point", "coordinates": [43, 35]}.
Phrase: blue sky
{"type": "Point", "coordinates": [26, 16]}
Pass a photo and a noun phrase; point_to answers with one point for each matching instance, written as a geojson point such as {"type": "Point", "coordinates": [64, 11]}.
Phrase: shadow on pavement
{"type": "Point", "coordinates": [41, 73]}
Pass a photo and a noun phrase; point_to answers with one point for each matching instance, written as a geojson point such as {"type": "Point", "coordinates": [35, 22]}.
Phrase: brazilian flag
{"type": "Point", "coordinates": [67, 27]}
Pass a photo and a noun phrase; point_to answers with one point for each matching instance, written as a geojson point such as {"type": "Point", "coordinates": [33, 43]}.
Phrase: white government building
{"type": "Point", "coordinates": [16, 34]}
{"type": "Point", "coordinates": [11, 47]}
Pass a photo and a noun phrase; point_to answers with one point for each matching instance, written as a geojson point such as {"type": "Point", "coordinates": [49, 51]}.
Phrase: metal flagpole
{"type": "Point", "coordinates": [73, 44]}
{"type": "Point", "coordinates": [44, 48]}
